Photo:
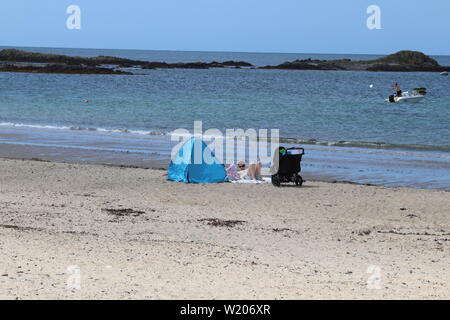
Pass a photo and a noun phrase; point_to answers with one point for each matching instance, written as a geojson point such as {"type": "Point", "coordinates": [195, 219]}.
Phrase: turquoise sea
{"type": "Point", "coordinates": [340, 117]}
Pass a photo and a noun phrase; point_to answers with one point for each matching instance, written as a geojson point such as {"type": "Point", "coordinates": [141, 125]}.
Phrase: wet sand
{"type": "Point", "coordinates": [133, 234]}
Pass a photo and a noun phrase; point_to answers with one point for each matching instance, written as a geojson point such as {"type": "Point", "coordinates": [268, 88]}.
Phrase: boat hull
{"type": "Point", "coordinates": [406, 97]}
{"type": "Point", "coordinates": [409, 99]}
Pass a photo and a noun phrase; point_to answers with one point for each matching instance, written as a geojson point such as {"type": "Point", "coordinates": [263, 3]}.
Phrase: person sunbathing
{"type": "Point", "coordinates": [240, 172]}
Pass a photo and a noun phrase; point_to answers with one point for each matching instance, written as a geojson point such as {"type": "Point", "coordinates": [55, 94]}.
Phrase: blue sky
{"type": "Point", "coordinates": [310, 26]}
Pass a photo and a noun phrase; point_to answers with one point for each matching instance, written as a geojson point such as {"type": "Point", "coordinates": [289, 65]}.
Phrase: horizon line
{"type": "Point", "coordinates": [216, 51]}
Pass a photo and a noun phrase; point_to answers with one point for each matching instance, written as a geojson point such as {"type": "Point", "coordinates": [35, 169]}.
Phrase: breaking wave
{"type": "Point", "coordinates": [367, 145]}
{"type": "Point", "coordinates": [354, 144]}
{"type": "Point", "coordinates": [78, 128]}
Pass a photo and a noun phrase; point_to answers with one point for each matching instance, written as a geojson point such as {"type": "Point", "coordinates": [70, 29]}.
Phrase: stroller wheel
{"type": "Point", "coordinates": [276, 180]}
{"type": "Point", "coordinates": [298, 180]}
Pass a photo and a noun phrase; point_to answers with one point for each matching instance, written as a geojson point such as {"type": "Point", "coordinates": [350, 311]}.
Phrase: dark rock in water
{"type": "Point", "coordinates": [60, 68]}
{"type": "Point", "coordinates": [413, 58]}
{"type": "Point", "coordinates": [155, 65]}
{"type": "Point", "coordinates": [96, 65]}
{"type": "Point", "coordinates": [36, 57]}
{"type": "Point", "coordinates": [14, 55]}
{"type": "Point", "coordinates": [402, 61]}
{"type": "Point", "coordinates": [308, 65]}
{"type": "Point", "coordinates": [190, 65]}
{"type": "Point", "coordinates": [195, 65]}
{"type": "Point", "coordinates": [236, 64]}
{"type": "Point", "coordinates": [34, 62]}
{"type": "Point", "coordinates": [126, 65]}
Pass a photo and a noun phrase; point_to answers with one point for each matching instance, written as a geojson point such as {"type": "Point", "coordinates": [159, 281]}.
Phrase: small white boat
{"type": "Point", "coordinates": [445, 73]}
{"type": "Point", "coordinates": [406, 97]}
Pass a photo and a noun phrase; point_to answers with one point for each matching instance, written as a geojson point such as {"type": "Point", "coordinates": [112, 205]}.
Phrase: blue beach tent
{"type": "Point", "coordinates": [196, 163]}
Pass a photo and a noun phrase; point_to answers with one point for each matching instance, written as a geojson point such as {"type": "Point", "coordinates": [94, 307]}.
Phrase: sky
{"type": "Point", "coordinates": [293, 26]}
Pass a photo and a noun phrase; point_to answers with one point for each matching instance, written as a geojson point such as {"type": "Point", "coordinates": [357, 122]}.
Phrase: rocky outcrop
{"type": "Point", "coordinates": [60, 68]}
{"type": "Point", "coordinates": [196, 65]}
{"type": "Point", "coordinates": [402, 61]}
{"type": "Point", "coordinates": [14, 55]}
{"type": "Point", "coordinates": [12, 60]}
{"type": "Point", "coordinates": [413, 58]}
{"type": "Point", "coordinates": [309, 64]}
{"type": "Point", "coordinates": [56, 63]}
{"type": "Point", "coordinates": [164, 65]}
{"type": "Point", "coordinates": [238, 64]}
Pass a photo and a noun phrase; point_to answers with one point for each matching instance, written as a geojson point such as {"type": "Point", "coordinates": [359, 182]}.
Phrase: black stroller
{"type": "Point", "coordinates": [287, 168]}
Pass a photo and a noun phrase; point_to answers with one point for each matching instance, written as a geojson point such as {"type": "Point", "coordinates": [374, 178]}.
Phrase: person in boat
{"type": "Point", "coordinates": [397, 89]}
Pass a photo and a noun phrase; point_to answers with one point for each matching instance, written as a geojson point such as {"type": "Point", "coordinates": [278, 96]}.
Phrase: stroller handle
{"type": "Point", "coordinates": [297, 148]}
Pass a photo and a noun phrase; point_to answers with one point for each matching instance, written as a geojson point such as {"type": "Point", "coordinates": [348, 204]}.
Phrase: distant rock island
{"type": "Point", "coordinates": [12, 60]}
{"type": "Point", "coordinates": [402, 61]}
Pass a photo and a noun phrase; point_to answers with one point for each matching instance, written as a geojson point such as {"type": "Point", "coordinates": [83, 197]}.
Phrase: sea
{"type": "Point", "coordinates": [339, 117]}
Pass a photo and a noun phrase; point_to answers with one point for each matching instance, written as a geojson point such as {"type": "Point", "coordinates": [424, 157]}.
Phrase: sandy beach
{"type": "Point", "coordinates": [132, 234]}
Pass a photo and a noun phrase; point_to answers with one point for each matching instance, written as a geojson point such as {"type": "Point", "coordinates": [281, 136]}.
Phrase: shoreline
{"type": "Point", "coordinates": [135, 235]}
{"type": "Point", "coordinates": [158, 167]}
{"type": "Point", "coordinates": [385, 167]}
{"type": "Point", "coordinates": [415, 168]}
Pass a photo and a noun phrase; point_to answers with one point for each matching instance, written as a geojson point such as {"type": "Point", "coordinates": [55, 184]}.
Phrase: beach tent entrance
{"type": "Point", "coordinates": [196, 163]}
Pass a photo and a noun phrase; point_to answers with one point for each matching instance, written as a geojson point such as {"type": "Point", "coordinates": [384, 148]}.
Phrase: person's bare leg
{"type": "Point", "coordinates": [258, 171]}
{"type": "Point", "coordinates": [251, 172]}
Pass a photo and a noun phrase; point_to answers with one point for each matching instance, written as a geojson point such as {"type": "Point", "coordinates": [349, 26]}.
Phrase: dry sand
{"type": "Point", "coordinates": [175, 241]}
